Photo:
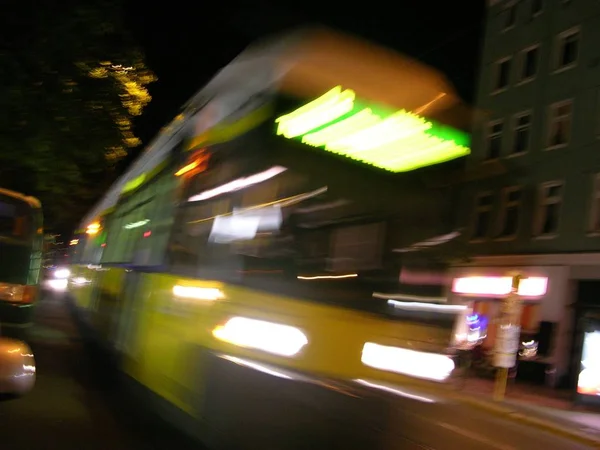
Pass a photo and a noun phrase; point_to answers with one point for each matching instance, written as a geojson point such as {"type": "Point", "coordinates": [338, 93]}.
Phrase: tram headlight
{"type": "Point", "coordinates": [198, 293]}
{"type": "Point", "coordinates": [429, 366]}
{"type": "Point", "coordinates": [58, 284]}
{"type": "Point", "coordinates": [269, 337]}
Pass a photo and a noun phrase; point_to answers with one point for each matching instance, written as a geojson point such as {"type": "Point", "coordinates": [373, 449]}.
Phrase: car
{"type": "Point", "coordinates": [17, 368]}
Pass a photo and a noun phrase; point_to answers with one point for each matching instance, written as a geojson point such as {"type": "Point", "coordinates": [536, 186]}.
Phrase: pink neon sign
{"type": "Point", "coordinates": [499, 286]}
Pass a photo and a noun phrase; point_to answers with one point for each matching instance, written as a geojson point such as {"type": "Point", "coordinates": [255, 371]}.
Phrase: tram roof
{"type": "Point", "coordinates": [303, 64]}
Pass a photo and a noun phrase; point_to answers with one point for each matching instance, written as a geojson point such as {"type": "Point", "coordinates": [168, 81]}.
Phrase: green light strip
{"type": "Point", "coordinates": [398, 142]}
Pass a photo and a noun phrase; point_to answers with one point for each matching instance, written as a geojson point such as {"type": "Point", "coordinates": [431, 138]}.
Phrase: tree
{"type": "Point", "coordinates": [72, 80]}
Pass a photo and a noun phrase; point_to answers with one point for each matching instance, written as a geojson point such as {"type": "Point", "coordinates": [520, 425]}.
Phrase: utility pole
{"type": "Point", "coordinates": [507, 338]}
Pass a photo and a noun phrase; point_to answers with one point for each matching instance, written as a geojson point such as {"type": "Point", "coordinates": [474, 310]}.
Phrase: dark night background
{"type": "Point", "coordinates": [186, 43]}
{"type": "Point", "coordinates": [66, 127]}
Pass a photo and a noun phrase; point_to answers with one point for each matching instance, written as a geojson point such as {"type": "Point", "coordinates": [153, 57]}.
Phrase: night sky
{"type": "Point", "coordinates": [187, 43]}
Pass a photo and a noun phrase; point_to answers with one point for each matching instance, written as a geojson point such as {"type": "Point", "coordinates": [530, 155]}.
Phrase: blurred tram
{"type": "Point", "coordinates": [239, 270]}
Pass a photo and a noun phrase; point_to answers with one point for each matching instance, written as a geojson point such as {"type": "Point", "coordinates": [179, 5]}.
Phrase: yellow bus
{"type": "Point", "coordinates": [238, 270]}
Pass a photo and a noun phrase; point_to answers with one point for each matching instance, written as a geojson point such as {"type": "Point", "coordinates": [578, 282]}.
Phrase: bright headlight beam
{"type": "Point", "coordinates": [429, 366]}
{"type": "Point", "coordinates": [275, 338]}
{"type": "Point", "coordinates": [62, 273]}
{"type": "Point", "coordinates": [198, 293]}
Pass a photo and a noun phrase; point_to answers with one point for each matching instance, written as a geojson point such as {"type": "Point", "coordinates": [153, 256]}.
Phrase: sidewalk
{"type": "Point", "coordinates": [551, 409]}
{"type": "Point", "coordinates": [521, 392]}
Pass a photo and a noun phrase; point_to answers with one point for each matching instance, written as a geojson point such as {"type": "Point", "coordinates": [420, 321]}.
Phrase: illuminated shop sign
{"type": "Point", "coordinates": [499, 286]}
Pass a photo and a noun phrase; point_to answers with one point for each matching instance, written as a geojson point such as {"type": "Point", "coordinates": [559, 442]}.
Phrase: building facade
{"type": "Point", "coordinates": [539, 102]}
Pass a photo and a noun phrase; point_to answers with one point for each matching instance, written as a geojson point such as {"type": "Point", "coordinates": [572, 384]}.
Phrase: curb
{"type": "Point", "coordinates": [517, 416]}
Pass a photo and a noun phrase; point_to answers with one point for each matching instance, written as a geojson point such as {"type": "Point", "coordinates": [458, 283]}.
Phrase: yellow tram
{"type": "Point", "coordinates": [248, 240]}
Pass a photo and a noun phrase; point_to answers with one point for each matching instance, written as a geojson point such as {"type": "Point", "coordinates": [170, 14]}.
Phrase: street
{"type": "Point", "coordinates": [444, 424]}
{"type": "Point", "coordinates": [74, 407]}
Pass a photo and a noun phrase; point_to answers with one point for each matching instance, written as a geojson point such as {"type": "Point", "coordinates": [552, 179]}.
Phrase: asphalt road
{"type": "Point", "coordinates": [445, 424]}
{"type": "Point", "coordinates": [73, 406]}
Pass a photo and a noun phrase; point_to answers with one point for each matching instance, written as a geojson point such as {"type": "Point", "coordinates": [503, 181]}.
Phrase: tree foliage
{"type": "Point", "coordinates": [72, 80]}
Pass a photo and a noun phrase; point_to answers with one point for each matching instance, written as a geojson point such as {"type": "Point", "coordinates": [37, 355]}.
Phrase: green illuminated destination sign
{"type": "Point", "coordinates": [399, 141]}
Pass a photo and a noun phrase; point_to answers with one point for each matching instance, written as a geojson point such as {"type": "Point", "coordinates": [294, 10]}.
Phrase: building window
{"type": "Point", "coordinates": [502, 74]}
{"type": "Point", "coordinates": [510, 17]}
{"type": "Point", "coordinates": [494, 140]}
{"type": "Point", "coordinates": [529, 63]}
{"type": "Point", "coordinates": [567, 49]}
{"type": "Point", "coordinates": [509, 214]}
{"type": "Point", "coordinates": [483, 216]}
{"type": "Point", "coordinates": [594, 226]}
{"type": "Point", "coordinates": [559, 125]}
{"type": "Point", "coordinates": [522, 134]}
{"type": "Point", "coordinates": [537, 7]}
{"type": "Point", "coordinates": [549, 209]}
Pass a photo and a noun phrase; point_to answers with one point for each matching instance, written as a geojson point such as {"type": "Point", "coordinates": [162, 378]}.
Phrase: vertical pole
{"type": "Point", "coordinates": [500, 385]}
{"type": "Point", "coordinates": [510, 318]}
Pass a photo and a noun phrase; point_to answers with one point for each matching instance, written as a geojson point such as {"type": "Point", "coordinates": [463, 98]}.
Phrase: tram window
{"type": "Point", "coordinates": [273, 233]}
{"type": "Point", "coordinates": [91, 252]}
{"type": "Point", "coordinates": [124, 228]}
{"type": "Point", "coordinates": [162, 218]}
{"type": "Point", "coordinates": [190, 252]}
{"type": "Point", "coordinates": [260, 229]}
{"type": "Point", "coordinates": [311, 237]}
{"type": "Point", "coordinates": [114, 229]}
{"type": "Point", "coordinates": [113, 226]}
{"type": "Point", "coordinates": [139, 229]}
{"type": "Point", "coordinates": [117, 243]}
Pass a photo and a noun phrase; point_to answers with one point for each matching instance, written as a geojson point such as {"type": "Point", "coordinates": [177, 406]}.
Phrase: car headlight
{"type": "Point", "coordinates": [62, 273]}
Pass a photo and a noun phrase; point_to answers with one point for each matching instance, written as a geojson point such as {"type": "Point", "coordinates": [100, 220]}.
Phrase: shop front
{"type": "Point", "coordinates": [543, 291]}
{"type": "Point", "coordinates": [584, 373]}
